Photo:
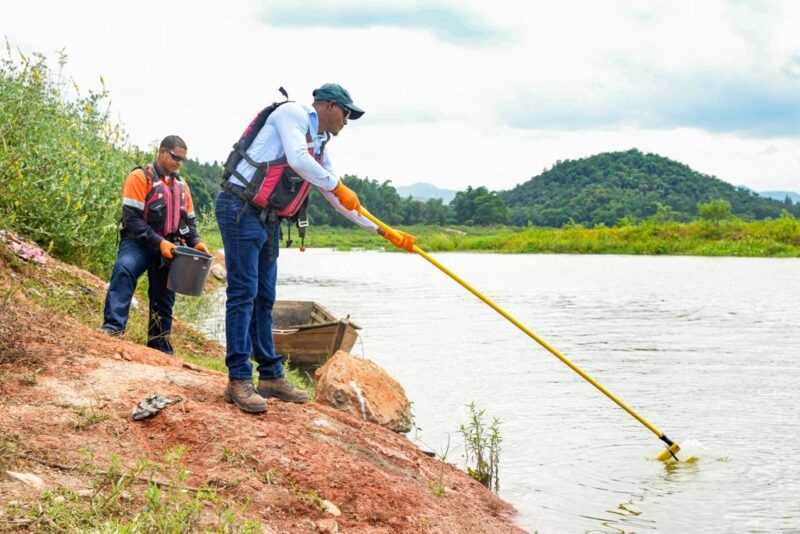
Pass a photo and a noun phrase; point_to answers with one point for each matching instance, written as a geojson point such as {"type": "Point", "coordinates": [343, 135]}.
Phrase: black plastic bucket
{"type": "Point", "coordinates": [188, 271]}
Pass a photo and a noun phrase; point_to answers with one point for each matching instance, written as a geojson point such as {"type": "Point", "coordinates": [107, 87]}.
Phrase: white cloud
{"type": "Point", "coordinates": [713, 84]}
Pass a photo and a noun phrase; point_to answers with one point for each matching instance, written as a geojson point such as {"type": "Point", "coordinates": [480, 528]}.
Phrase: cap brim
{"type": "Point", "coordinates": [355, 111]}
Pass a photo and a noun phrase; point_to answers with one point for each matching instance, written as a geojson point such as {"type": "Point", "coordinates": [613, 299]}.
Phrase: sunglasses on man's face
{"type": "Point", "coordinates": [345, 110]}
{"type": "Point", "coordinates": [175, 157]}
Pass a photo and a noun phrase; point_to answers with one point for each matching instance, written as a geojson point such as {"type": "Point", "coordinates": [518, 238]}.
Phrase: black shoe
{"type": "Point", "coordinates": [109, 331]}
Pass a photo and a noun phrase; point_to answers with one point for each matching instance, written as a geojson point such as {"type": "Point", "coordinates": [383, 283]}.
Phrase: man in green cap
{"type": "Point", "coordinates": [267, 178]}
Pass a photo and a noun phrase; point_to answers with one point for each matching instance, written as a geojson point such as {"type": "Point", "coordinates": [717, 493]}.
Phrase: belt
{"type": "Point", "coordinates": [233, 188]}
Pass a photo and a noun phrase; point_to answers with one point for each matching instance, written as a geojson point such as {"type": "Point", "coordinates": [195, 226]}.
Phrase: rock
{"type": "Point", "coordinates": [218, 268]}
{"type": "Point", "coordinates": [364, 390]}
{"type": "Point", "coordinates": [219, 257]}
{"type": "Point", "coordinates": [328, 526]}
{"type": "Point", "coordinates": [219, 271]}
{"type": "Point", "coordinates": [26, 478]}
{"type": "Point", "coordinates": [330, 508]}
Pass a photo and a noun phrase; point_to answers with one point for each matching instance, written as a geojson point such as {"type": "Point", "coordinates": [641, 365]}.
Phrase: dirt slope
{"type": "Point", "coordinates": [66, 397]}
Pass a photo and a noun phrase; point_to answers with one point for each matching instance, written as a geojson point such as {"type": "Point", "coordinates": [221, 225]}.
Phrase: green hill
{"type": "Point", "coordinates": [604, 188]}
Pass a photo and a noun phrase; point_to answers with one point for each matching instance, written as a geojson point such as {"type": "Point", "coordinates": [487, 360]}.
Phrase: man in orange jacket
{"type": "Point", "coordinates": [157, 215]}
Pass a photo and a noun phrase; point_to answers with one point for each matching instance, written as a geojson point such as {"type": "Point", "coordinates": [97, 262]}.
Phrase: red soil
{"type": "Point", "coordinates": [379, 480]}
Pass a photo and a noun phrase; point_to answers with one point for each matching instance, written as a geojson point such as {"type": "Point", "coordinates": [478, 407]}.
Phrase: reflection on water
{"type": "Point", "coordinates": [703, 348]}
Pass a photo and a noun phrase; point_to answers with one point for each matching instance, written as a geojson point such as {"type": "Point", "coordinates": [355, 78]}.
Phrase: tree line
{"type": "Point", "coordinates": [473, 206]}
{"type": "Point", "coordinates": [604, 190]}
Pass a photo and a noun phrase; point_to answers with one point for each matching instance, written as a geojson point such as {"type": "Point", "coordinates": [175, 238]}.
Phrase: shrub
{"type": "Point", "coordinates": [62, 163]}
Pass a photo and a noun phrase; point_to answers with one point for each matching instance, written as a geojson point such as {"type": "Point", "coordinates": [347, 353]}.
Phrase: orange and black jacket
{"type": "Point", "coordinates": [156, 207]}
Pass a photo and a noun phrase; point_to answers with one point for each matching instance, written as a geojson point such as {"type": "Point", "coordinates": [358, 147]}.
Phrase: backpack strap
{"type": "Point", "coordinates": [149, 175]}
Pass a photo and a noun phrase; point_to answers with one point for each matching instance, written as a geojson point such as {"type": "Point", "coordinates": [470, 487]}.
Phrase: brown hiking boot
{"type": "Point", "coordinates": [281, 389]}
{"type": "Point", "coordinates": [243, 394]}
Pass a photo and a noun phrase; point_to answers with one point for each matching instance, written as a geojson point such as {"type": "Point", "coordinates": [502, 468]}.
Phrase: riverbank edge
{"type": "Point", "coordinates": [306, 455]}
{"type": "Point", "coordinates": [735, 238]}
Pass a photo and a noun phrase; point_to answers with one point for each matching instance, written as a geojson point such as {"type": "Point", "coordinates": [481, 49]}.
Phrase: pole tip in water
{"type": "Point", "coordinates": [669, 453]}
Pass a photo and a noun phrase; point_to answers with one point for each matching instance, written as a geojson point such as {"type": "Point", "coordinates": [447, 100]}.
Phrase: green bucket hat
{"type": "Point", "coordinates": [336, 93]}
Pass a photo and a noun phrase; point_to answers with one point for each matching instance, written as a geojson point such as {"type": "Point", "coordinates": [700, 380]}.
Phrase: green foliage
{"type": "Point", "coordinates": [715, 211]}
{"type": "Point", "coordinates": [61, 163]}
{"type": "Point", "coordinates": [733, 237]}
{"type": "Point", "coordinates": [482, 444]}
{"type": "Point", "coordinates": [167, 506]}
{"type": "Point", "coordinates": [479, 207]}
{"type": "Point", "coordinates": [382, 199]}
{"type": "Point", "coordinates": [201, 197]}
{"type": "Point", "coordinates": [604, 188]}
{"type": "Point", "coordinates": [204, 179]}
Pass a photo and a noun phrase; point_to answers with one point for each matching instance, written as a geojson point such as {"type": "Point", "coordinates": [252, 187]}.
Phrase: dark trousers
{"type": "Point", "coordinates": [251, 258]}
{"type": "Point", "coordinates": [133, 259]}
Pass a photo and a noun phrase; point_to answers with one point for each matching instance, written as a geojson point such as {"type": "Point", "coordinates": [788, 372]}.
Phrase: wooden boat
{"type": "Point", "coordinates": [307, 334]}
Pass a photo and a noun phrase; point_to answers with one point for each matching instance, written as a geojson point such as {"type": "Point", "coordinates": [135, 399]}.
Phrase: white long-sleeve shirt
{"type": "Point", "coordinates": [284, 133]}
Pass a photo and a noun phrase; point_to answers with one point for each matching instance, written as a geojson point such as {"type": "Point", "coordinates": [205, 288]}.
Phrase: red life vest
{"type": "Point", "coordinates": [165, 208]}
{"type": "Point", "coordinates": [275, 187]}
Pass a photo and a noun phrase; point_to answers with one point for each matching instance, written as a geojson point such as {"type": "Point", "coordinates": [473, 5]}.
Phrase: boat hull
{"type": "Point", "coordinates": [307, 334]}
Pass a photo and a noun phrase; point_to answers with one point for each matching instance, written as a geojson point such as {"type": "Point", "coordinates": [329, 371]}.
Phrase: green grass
{"type": "Point", "coordinates": [148, 497]}
{"type": "Point", "coordinates": [733, 237]}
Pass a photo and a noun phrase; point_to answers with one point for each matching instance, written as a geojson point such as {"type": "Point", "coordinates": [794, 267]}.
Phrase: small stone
{"type": "Point", "coordinates": [219, 272]}
{"type": "Point", "coordinates": [135, 302]}
{"type": "Point", "coordinates": [117, 356]}
{"type": "Point", "coordinates": [26, 478]}
{"type": "Point", "coordinates": [59, 499]}
{"type": "Point", "coordinates": [86, 493]}
{"type": "Point", "coordinates": [331, 508]}
{"type": "Point", "coordinates": [126, 357]}
{"type": "Point", "coordinates": [329, 526]}
{"type": "Point", "coordinates": [322, 422]}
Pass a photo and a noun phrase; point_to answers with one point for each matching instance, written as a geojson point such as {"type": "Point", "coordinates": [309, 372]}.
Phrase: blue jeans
{"type": "Point", "coordinates": [251, 258]}
{"type": "Point", "coordinates": [133, 259]}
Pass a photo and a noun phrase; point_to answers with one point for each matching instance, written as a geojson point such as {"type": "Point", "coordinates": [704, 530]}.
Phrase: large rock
{"type": "Point", "coordinates": [364, 390]}
{"type": "Point", "coordinates": [218, 269]}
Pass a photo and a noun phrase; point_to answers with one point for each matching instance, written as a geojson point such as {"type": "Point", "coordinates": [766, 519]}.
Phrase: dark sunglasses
{"type": "Point", "coordinates": [174, 156]}
{"type": "Point", "coordinates": [345, 110]}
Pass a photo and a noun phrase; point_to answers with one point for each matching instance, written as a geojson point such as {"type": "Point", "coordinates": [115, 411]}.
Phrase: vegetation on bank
{"type": "Point", "coordinates": [728, 237]}
{"type": "Point", "coordinates": [63, 162]}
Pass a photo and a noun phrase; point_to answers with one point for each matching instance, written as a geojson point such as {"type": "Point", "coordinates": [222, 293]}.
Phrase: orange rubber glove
{"type": "Point", "coordinates": [401, 240]}
{"type": "Point", "coordinates": [167, 248]}
{"type": "Point", "coordinates": [347, 197]}
{"type": "Point", "coordinates": [202, 248]}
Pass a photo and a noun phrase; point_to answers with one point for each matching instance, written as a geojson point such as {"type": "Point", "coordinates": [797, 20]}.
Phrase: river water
{"type": "Point", "coordinates": [705, 349]}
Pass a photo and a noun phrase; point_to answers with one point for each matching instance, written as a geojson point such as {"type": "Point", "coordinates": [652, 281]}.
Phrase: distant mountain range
{"type": "Point", "coordinates": [781, 195]}
{"type": "Point", "coordinates": [423, 191]}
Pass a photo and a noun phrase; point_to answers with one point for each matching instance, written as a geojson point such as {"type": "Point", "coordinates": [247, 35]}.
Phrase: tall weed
{"type": "Point", "coordinates": [62, 162]}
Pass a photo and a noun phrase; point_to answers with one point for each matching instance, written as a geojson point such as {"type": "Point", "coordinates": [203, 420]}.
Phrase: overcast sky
{"type": "Point", "coordinates": [457, 93]}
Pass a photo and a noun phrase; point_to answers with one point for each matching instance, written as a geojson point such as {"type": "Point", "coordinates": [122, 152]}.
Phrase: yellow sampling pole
{"type": "Point", "coordinates": [672, 447]}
